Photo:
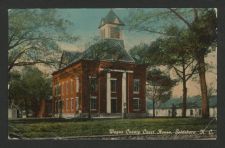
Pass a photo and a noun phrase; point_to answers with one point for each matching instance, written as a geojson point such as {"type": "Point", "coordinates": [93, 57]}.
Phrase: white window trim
{"type": "Point", "coordinates": [138, 104]}
{"type": "Point", "coordinates": [134, 91]}
{"type": "Point", "coordinates": [93, 97]}
{"type": "Point", "coordinates": [113, 79]}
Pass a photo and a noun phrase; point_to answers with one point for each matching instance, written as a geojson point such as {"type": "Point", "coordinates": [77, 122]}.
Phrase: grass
{"type": "Point", "coordinates": [101, 127]}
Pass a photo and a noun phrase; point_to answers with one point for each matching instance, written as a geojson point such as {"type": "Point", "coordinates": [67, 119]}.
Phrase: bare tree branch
{"type": "Point", "coordinates": [177, 71]}
{"type": "Point", "coordinates": [194, 71]}
{"type": "Point", "coordinates": [16, 58]}
{"type": "Point", "coordinates": [11, 38]}
{"type": "Point", "coordinates": [180, 17]}
{"type": "Point", "coordinates": [195, 13]}
{"type": "Point", "coordinates": [189, 64]}
{"type": "Point", "coordinates": [33, 63]}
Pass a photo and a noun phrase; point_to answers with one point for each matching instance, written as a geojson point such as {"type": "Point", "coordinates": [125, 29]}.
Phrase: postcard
{"type": "Point", "coordinates": [112, 74]}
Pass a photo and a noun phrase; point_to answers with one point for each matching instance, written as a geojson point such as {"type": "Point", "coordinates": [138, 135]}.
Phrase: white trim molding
{"type": "Point", "coordinates": [119, 70]}
{"type": "Point", "coordinates": [124, 91]}
{"type": "Point", "coordinates": [108, 93]}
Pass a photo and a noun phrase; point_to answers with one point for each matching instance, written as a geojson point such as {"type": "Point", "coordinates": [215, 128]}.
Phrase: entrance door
{"type": "Point", "coordinates": [113, 105]}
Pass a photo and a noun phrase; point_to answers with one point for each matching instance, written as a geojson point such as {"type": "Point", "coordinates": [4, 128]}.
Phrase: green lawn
{"type": "Point", "coordinates": [102, 126]}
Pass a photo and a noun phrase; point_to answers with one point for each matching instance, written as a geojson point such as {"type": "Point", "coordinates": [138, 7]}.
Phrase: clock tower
{"type": "Point", "coordinates": [111, 26]}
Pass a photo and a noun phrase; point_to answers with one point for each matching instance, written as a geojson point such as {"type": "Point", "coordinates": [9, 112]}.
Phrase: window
{"type": "Point", "coordinates": [113, 104]}
{"type": "Point", "coordinates": [136, 85]}
{"type": "Point", "coordinates": [71, 86]}
{"type": "Point", "coordinates": [113, 85]}
{"type": "Point", "coordinates": [72, 103]}
{"type": "Point", "coordinates": [93, 103]}
{"type": "Point", "coordinates": [77, 103]}
{"type": "Point", "coordinates": [136, 103]}
{"type": "Point", "coordinates": [116, 21]}
{"type": "Point", "coordinates": [93, 84]}
{"type": "Point", "coordinates": [115, 32]}
{"type": "Point", "coordinates": [62, 89]}
{"type": "Point", "coordinates": [77, 84]}
{"type": "Point", "coordinates": [67, 105]}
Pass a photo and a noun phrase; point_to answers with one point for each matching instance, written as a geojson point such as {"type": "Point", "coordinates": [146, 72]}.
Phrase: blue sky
{"type": "Point", "coordinates": [85, 25]}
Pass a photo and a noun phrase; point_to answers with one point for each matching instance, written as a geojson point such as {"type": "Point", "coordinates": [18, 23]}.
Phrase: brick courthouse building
{"type": "Point", "coordinates": [104, 80]}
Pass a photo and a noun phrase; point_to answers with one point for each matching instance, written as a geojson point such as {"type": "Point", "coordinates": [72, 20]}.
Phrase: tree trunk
{"type": "Point", "coordinates": [153, 107]}
{"type": "Point", "coordinates": [41, 111]}
{"type": "Point", "coordinates": [203, 85]}
{"type": "Point", "coordinates": [184, 92]}
{"type": "Point", "coordinates": [184, 99]}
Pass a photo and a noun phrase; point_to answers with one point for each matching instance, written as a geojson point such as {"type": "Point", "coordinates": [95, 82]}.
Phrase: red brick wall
{"type": "Point", "coordinates": [140, 73]}
{"type": "Point", "coordinates": [79, 70]}
{"type": "Point", "coordinates": [63, 77]}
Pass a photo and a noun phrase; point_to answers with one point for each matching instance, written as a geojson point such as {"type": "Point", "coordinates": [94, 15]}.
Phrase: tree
{"type": "Point", "coordinates": [203, 34]}
{"type": "Point", "coordinates": [29, 88]}
{"type": "Point", "coordinates": [173, 52]}
{"type": "Point", "coordinates": [179, 57]}
{"type": "Point", "coordinates": [201, 24]}
{"type": "Point", "coordinates": [159, 87]}
{"type": "Point", "coordinates": [34, 37]}
{"type": "Point", "coordinates": [138, 53]}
